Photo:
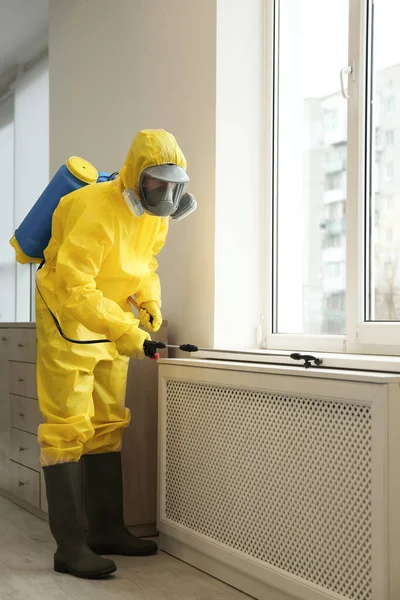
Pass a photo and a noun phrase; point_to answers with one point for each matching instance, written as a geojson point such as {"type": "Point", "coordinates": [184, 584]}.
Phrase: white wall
{"type": "Point", "coordinates": [150, 63]}
{"type": "Point", "coordinates": [238, 248]}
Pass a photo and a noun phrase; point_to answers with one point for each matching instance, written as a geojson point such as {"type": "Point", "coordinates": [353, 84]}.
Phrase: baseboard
{"type": "Point", "coordinates": [148, 530]}
{"type": "Point", "coordinates": [222, 572]}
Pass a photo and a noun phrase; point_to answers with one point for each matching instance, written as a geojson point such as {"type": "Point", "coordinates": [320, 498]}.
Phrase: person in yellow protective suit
{"type": "Point", "coordinates": [105, 238]}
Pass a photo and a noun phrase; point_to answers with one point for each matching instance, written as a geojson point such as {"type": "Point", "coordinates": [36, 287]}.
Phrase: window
{"type": "Point", "coordinates": [24, 166]}
{"type": "Point", "coordinates": [335, 159]}
{"type": "Point", "coordinates": [331, 121]}
{"type": "Point", "coordinates": [334, 210]}
{"type": "Point", "coordinates": [388, 268]}
{"type": "Point", "coordinates": [7, 255]}
{"type": "Point", "coordinates": [335, 301]}
{"type": "Point", "coordinates": [332, 241]}
{"type": "Point", "coordinates": [335, 216]}
{"type": "Point", "coordinates": [333, 181]}
{"type": "Point", "coordinates": [389, 137]}
{"type": "Point", "coordinates": [390, 106]}
{"type": "Point", "coordinates": [388, 171]}
{"type": "Point", "coordinates": [332, 270]}
{"type": "Point", "coordinates": [389, 205]}
{"type": "Point", "coordinates": [307, 97]}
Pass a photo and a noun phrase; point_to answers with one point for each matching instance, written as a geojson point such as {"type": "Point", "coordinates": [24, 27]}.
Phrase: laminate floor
{"type": "Point", "coordinates": [26, 573]}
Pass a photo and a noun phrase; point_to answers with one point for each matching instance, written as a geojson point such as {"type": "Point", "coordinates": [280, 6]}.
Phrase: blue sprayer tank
{"type": "Point", "coordinates": [33, 235]}
{"type": "Point", "coordinates": [104, 176]}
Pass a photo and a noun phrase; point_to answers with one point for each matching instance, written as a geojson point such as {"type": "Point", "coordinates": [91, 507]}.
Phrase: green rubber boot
{"type": "Point", "coordinates": [103, 500]}
{"type": "Point", "coordinates": [66, 520]}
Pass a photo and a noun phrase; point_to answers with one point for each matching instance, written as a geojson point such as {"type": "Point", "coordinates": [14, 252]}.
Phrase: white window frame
{"type": "Point", "coordinates": [358, 349]}
{"type": "Point", "coordinates": [366, 338]}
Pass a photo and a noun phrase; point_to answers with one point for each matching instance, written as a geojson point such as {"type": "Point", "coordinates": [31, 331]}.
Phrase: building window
{"type": "Point", "coordinates": [331, 122]}
{"type": "Point", "coordinates": [389, 205]}
{"type": "Point", "coordinates": [332, 270]}
{"type": "Point", "coordinates": [335, 301]}
{"type": "Point", "coordinates": [334, 210]}
{"type": "Point", "coordinates": [333, 181]}
{"type": "Point", "coordinates": [389, 137]}
{"type": "Point", "coordinates": [388, 171]}
{"type": "Point", "coordinates": [390, 105]}
{"type": "Point", "coordinates": [333, 241]}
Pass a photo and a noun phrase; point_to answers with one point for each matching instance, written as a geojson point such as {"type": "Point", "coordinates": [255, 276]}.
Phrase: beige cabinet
{"type": "Point", "coordinates": [5, 343]}
{"type": "Point", "coordinates": [19, 416]}
{"type": "Point", "coordinates": [25, 484]}
{"type": "Point", "coordinates": [21, 477]}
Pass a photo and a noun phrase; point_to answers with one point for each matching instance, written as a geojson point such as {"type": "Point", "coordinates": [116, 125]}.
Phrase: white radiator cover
{"type": "Point", "coordinates": [282, 481]}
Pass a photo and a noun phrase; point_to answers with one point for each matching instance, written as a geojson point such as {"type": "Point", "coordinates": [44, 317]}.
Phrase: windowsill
{"type": "Point", "coordinates": [359, 362]}
{"type": "Point", "coordinates": [285, 370]}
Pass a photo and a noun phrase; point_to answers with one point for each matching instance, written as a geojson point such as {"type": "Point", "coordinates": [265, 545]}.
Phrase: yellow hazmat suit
{"type": "Point", "coordinates": [99, 255]}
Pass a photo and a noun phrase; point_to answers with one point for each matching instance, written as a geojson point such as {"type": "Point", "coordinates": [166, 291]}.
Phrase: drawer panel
{"type": "Point", "coordinates": [5, 344]}
{"type": "Point", "coordinates": [23, 379]}
{"type": "Point", "coordinates": [23, 344]}
{"type": "Point", "coordinates": [5, 351]}
{"type": "Point", "coordinates": [43, 498]}
{"type": "Point", "coordinates": [24, 449]}
{"type": "Point", "coordinates": [25, 484]}
{"type": "Point", "coordinates": [25, 414]}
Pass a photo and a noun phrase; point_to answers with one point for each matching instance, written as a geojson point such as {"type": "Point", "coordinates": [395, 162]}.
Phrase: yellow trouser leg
{"type": "Point", "coordinates": [66, 404]}
{"type": "Point", "coordinates": [111, 416]}
{"type": "Point", "coordinates": [65, 385]}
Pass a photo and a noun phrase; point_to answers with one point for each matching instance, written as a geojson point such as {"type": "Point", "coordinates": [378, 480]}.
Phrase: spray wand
{"type": "Point", "coordinates": [150, 349]}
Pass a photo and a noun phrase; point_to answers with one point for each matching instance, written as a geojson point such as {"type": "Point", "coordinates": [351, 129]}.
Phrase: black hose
{"type": "Point", "coordinates": [59, 326]}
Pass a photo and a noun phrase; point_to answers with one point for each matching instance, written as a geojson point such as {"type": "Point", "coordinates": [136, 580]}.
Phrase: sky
{"type": "Point", "coordinates": [322, 39]}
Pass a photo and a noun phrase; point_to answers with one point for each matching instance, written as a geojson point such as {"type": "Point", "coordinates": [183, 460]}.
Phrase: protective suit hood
{"type": "Point", "coordinates": [150, 147]}
{"type": "Point", "coordinates": [154, 176]}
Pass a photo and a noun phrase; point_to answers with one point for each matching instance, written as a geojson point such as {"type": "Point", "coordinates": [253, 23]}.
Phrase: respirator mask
{"type": "Point", "coordinates": [162, 193]}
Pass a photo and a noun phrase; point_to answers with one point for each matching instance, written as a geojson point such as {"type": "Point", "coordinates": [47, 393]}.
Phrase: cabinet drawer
{"type": "Point", "coordinates": [25, 414]}
{"type": "Point", "coordinates": [23, 379]}
{"type": "Point", "coordinates": [5, 343]}
{"type": "Point", "coordinates": [23, 345]}
{"type": "Point", "coordinates": [43, 498]}
{"type": "Point", "coordinates": [24, 449]}
{"type": "Point", "coordinates": [25, 484]}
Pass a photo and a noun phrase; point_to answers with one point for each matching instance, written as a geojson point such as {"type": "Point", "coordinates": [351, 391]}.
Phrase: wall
{"type": "Point", "coordinates": [148, 63]}
{"type": "Point", "coordinates": [239, 173]}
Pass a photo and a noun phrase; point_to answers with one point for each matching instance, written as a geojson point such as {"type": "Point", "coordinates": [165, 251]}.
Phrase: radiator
{"type": "Point", "coordinates": [281, 481]}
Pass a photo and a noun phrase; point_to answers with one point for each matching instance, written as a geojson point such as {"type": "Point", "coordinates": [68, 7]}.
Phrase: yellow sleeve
{"type": "Point", "coordinates": [150, 288]}
{"type": "Point", "coordinates": [80, 256]}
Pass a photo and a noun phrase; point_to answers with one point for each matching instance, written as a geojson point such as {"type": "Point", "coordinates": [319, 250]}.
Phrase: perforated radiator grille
{"type": "Point", "coordinates": [284, 479]}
